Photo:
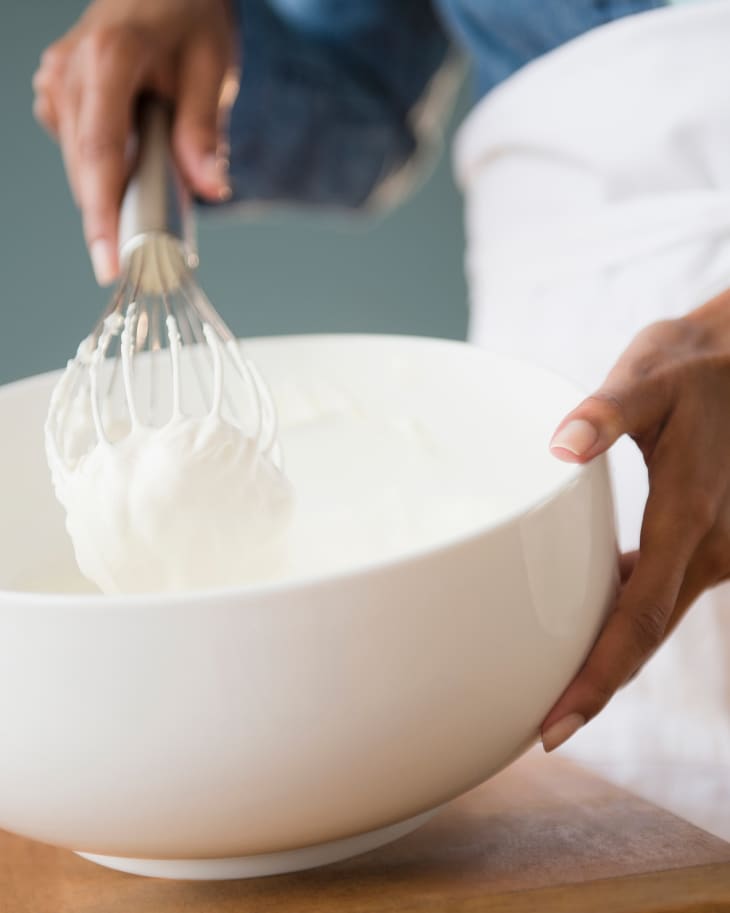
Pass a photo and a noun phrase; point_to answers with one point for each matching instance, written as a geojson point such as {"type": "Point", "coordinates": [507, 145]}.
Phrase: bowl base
{"type": "Point", "coordinates": [307, 857]}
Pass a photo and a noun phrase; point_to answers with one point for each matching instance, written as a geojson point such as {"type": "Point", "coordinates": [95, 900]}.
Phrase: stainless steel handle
{"type": "Point", "coordinates": [156, 200]}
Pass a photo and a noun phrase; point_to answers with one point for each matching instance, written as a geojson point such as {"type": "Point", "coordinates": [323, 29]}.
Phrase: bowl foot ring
{"type": "Point", "coordinates": [307, 857]}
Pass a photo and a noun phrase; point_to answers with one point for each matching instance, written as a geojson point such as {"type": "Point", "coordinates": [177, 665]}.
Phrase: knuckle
{"type": "Point", "coordinates": [689, 334]}
{"type": "Point", "coordinates": [42, 112]}
{"type": "Point", "coordinates": [700, 511]}
{"type": "Point", "coordinates": [658, 353]}
{"type": "Point", "coordinates": [42, 79]}
{"type": "Point", "coordinates": [716, 556]}
{"type": "Point", "coordinates": [611, 406]}
{"type": "Point", "coordinates": [663, 334]}
{"type": "Point", "coordinates": [646, 366]}
{"type": "Point", "coordinates": [94, 147]}
{"type": "Point", "coordinates": [209, 55]}
{"type": "Point", "coordinates": [670, 350]}
{"type": "Point", "coordinates": [648, 625]}
{"type": "Point", "coordinates": [209, 51]}
{"type": "Point", "coordinates": [41, 98]}
{"type": "Point", "coordinates": [96, 223]}
{"type": "Point", "coordinates": [600, 694]}
{"type": "Point", "coordinates": [99, 44]}
{"type": "Point", "coordinates": [54, 55]}
{"type": "Point", "coordinates": [197, 129]}
{"type": "Point", "coordinates": [106, 45]}
{"type": "Point", "coordinates": [46, 81]}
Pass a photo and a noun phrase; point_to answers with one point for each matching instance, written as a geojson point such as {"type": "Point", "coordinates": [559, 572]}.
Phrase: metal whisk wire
{"type": "Point", "coordinates": [159, 312]}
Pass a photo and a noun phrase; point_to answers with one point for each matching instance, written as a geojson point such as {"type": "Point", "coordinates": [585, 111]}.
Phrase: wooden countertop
{"type": "Point", "coordinates": [541, 837]}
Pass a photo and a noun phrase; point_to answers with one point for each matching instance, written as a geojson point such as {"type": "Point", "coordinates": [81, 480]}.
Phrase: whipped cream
{"type": "Point", "coordinates": [195, 503]}
{"type": "Point", "coordinates": [190, 504]}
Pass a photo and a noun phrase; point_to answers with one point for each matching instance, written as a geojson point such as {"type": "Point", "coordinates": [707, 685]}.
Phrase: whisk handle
{"type": "Point", "coordinates": [156, 200]}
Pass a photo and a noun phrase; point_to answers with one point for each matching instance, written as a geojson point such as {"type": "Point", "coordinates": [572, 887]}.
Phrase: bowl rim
{"type": "Point", "coordinates": [306, 583]}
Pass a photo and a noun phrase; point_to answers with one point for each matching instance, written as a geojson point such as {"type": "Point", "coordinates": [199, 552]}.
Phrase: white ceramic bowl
{"type": "Point", "coordinates": [251, 731]}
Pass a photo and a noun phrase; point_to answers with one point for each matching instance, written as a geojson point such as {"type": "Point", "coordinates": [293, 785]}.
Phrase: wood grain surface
{"type": "Point", "coordinates": [541, 837]}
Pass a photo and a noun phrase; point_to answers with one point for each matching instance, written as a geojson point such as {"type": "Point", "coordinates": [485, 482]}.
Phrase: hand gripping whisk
{"type": "Point", "coordinates": [160, 350]}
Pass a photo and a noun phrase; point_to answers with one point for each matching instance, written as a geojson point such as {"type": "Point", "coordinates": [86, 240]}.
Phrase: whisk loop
{"type": "Point", "coordinates": [168, 318]}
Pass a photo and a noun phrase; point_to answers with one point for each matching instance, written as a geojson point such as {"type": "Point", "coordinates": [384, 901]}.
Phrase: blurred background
{"type": "Point", "coordinates": [284, 273]}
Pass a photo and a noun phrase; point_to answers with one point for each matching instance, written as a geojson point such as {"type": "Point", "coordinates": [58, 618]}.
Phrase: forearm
{"type": "Point", "coordinates": [327, 111]}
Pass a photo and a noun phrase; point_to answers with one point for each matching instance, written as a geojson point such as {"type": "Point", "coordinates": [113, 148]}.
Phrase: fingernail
{"type": "Point", "coordinates": [562, 730]}
{"type": "Point", "coordinates": [577, 437]}
{"type": "Point", "coordinates": [102, 260]}
{"type": "Point", "coordinates": [214, 170]}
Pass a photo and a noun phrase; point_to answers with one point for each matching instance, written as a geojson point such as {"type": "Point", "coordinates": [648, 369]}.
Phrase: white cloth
{"type": "Point", "coordinates": [597, 186]}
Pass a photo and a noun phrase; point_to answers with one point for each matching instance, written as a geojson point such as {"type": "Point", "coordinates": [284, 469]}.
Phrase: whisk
{"type": "Point", "coordinates": [160, 350]}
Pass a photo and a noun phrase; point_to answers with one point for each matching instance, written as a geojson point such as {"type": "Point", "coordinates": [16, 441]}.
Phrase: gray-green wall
{"type": "Point", "coordinates": [289, 273]}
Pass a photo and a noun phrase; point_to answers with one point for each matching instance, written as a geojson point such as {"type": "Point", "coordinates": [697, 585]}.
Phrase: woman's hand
{"type": "Point", "coordinates": [87, 84]}
{"type": "Point", "coordinates": [670, 391]}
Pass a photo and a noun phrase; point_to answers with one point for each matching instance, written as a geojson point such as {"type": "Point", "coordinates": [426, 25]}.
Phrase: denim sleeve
{"type": "Point", "coordinates": [327, 111]}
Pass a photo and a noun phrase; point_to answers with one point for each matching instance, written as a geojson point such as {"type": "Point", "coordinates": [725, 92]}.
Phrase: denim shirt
{"type": "Point", "coordinates": [332, 102]}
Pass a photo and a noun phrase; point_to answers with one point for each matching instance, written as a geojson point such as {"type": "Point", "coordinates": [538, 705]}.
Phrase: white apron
{"type": "Point", "coordinates": [597, 188]}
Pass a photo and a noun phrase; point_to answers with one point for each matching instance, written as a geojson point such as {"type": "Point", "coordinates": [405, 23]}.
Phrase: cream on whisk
{"type": "Point", "coordinates": [191, 503]}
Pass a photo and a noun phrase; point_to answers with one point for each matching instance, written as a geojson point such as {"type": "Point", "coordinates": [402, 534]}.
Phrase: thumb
{"type": "Point", "coordinates": [633, 400]}
{"type": "Point", "coordinates": [195, 133]}
{"type": "Point", "coordinates": [590, 429]}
